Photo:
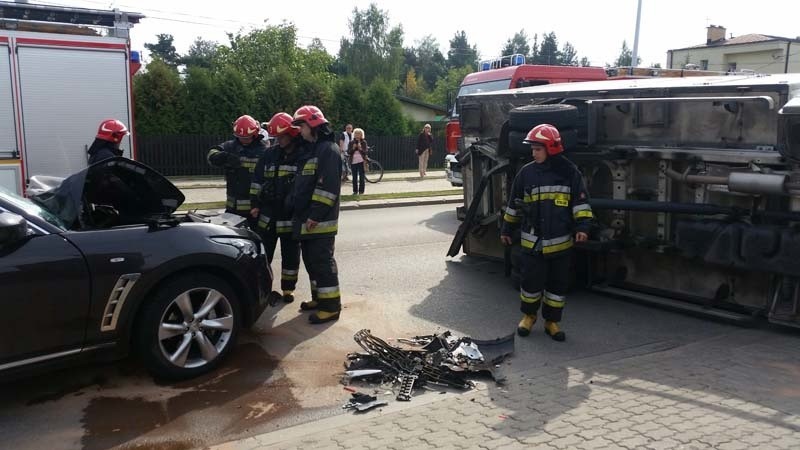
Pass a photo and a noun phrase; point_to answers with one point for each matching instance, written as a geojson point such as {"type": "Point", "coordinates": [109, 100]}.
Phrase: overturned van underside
{"type": "Point", "coordinates": [695, 184]}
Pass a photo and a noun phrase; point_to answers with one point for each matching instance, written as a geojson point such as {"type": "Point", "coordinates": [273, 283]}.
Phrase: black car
{"type": "Point", "coordinates": [99, 265]}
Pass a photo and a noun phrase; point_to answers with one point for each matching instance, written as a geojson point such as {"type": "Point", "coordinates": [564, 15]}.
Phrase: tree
{"type": "Point", "coordinates": [430, 62]}
{"type": "Point", "coordinates": [232, 98]}
{"type": "Point", "coordinates": [448, 84]}
{"type": "Point", "coordinates": [347, 105]}
{"type": "Point", "coordinates": [517, 44]}
{"type": "Point", "coordinates": [384, 115]}
{"type": "Point", "coordinates": [163, 49]}
{"type": "Point", "coordinates": [625, 57]}
{"type": "Point", "coordinates": [373, 50]}
{"type": "Point", "coordinates": [199, 109]}
{"type": "Point", "coordinates": [158, 100]}
{"type": "Point", "coordinates": [202, 53]}
{"type": "Point", "coordinates": [548, 51]}
{"type": "Point", "coordinates": [461, 54]}
{"type": "Point", "coordinates": [568, 56]}
{"type": "Point", "coordinates": [585, 62]}
{"type": "Point", "coordinates": [412, 85]}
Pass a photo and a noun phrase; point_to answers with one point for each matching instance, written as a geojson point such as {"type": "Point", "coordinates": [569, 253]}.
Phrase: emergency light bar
{"type": "Point", "coordinates": [516, 59]}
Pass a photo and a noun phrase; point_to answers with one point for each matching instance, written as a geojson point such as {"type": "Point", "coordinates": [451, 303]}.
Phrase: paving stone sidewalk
{"type": "Point", "coordinates": [739, 391]}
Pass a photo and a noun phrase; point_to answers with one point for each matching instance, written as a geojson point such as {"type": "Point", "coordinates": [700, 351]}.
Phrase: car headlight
{"type": "Point", "coordinates": [245, 246]}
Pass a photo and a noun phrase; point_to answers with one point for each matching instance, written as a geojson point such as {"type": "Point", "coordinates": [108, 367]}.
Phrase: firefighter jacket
{"type": "Point", "coordinates": [272, 186]}
{"type": "Point", "coordinates": [550, 203]}
{"type": "Point", "coordinates": [316, 189]}
{"type": "Point", "coordinates": [239, 162]}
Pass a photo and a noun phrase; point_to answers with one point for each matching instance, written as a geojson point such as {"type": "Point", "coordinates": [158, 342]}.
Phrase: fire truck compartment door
{"type": "Point", "coordinates": [66, 93]}
{"type": "Point", "coordinates": [8, 132]}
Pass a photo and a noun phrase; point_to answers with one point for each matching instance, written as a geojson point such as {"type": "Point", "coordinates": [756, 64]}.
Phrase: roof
{"type": "Point", "coordinates": [414, 101]}
{"type": "Point", "coordinates": [741, 40]}
{"type": "Point", "coordinates": [792, 80]}
{"type": "Point", "coordinates": [63, 14]}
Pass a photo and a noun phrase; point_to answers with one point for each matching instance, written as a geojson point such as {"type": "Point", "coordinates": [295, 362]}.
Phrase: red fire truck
{"type": "Point", "coordinates": [64, 70]}
{"type": "Point", "coordinates": [507, 72]}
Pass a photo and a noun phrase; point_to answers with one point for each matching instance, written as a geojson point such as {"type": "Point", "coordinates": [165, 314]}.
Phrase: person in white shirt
{"type": "Point", "coordinates": [357, 154]}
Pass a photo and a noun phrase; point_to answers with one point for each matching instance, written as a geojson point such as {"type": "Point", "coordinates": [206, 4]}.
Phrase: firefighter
{"type": "Point", "coordinates": [274, 177]}
{"type": "Point", "coordinates": [107, 141]}
{"type": "Point", "coordinates": [316, 211]}
{"type": "Point", "coordinates": [239, 157]}
{"type": "Point", "coordinates": [550, 202]}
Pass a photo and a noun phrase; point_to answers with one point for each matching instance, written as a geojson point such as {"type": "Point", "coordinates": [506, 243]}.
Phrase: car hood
{"type": "Point", "coordinates": [132, 188]}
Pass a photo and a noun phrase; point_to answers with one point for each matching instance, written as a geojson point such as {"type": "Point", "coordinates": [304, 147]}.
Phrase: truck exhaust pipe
{"type": "Point", "coordinates": [745, 182]}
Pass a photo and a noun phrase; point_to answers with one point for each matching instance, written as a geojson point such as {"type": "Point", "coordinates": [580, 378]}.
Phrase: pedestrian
{"type": "Point", "coordinates": [344, 144]}
{"type": "Point", "coordinates": [238, 158]}
{"type": "Point", "coordinates": [316, 211]}
{"type": "Point", "coordinates": [357, 154]}
{"type": "Point", "coordinates": [107, 141]}
{"type": "Point", "coordinates": [550, 202]}
{"type": "Point", "coordinates": [424, 149]}
{"type": "Point", "coordinates": [274, 175]}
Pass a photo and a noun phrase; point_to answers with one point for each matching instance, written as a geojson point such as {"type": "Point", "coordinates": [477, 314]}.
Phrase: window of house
{"type": "Point", "coordinates": [732, 67]}
{"type": "Point", "coordinates": [704, 64]}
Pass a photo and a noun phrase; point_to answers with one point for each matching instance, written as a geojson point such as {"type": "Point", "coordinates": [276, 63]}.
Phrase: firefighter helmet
{"type": "Point", "coordinates": [245, 127]}
{"type": "Point", "coordinates": [310, 115]}
{"type": "Point", "coordinates": [111, 130]}
{"type": "Point", "coordinates": [281, 123]}
{"type": "Point", "coordinates": [546, 135]}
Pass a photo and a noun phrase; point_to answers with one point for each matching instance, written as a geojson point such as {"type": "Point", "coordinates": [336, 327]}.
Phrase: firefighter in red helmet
{"type": "Point", "coordinates": [107, 141]}
{"type": "Point", "coordinates": [273, 180]}
{"type": "Point", "coordinates": [548, 205]}
{"type": "Point", "coordinates": [316, 211]}
{"type": "Point", "coordinates": [238, 158]}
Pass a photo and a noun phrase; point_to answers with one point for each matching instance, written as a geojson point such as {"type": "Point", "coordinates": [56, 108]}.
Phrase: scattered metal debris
{"type": "Point", "coordinates": [438, 359]}
{"type": "Point", "coordinates": [361, 402]}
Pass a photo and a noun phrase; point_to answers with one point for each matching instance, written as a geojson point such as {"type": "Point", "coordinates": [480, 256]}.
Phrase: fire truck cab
{"type": "Point", "coordinates": [62, 72]}
{"type": "Point", "coordinates": [507, 72]}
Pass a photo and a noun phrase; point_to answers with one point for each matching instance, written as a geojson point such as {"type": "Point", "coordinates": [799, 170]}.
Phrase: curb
{"type": "Point", "coordinates": [420, 201]}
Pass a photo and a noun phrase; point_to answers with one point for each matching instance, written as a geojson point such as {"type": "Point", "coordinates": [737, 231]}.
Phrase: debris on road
{"type": "Point", "coordinates": [437, 359]}
{"type": "Point", "coordinates": [361, 402]}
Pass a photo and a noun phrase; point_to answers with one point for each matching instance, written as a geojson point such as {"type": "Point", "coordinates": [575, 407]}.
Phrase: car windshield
{"type": "Point", "coordinates": [31, 208]}
{"type": "Point", "coordinates": [488, 86]}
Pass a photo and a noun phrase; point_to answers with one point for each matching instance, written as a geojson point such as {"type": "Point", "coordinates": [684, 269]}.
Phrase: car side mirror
{"type": "Point", "coordinates": [13, 228]}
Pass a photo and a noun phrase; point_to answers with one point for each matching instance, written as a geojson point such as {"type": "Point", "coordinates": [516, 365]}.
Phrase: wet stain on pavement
{"type": "Point", "coordinates": [167, 445]}
{"type": "Point", "coordinates": [245, 391]}
{"type": "Point", "coordinates": [75, 387]}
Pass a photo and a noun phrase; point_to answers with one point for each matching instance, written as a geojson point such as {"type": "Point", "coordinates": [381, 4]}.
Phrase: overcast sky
{"type": "Point", "coordinates": [595, 28]}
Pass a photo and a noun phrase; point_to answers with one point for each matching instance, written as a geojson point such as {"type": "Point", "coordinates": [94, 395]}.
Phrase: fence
{"type": "Point", "coordinates": [185, 155]}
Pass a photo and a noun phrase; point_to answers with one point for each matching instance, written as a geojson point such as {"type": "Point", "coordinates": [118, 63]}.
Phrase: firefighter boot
{"type": "Point", "coordinates": [552, 329]}
{"type": "Point", "coordinates": [288, 296]}
{"type": "Point", "coordinates": [525, 325]}
{"type": "Point", "coordinates": [313, 304]}
{"type": "Point", "coordinates": [323, 316]}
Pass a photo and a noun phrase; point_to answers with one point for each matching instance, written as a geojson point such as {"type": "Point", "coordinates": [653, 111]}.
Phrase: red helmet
{"type": "Point", "coordinates": [310, 115]}
{"type": "Point", "coordinates": [546, 135]}
{"type": "Point", "coordinates": [111, 130]}
{"type": "Point", "coordinates": [281, 123]}
{"type": "Point", "coordinates": [245, 127]}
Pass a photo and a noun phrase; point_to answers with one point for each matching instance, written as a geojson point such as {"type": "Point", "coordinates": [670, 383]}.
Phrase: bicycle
{"type": "Point", "coordinates": [373, 170]}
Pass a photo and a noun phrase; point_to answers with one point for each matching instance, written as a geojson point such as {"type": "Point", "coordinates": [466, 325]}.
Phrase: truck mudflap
{"type": "Point", "coordinates": [469, 219]}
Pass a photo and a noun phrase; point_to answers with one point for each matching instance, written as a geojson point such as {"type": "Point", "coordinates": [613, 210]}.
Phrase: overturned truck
{"type": "Point", "coordinates": [694, 182]}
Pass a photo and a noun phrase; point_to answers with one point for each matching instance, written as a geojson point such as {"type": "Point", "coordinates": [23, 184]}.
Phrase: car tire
{"type": "Point", "coordinates": [526, 117]}
{"type": "Point", "coordinates": [180, 334]}
{"type": "Point", "coordinates": [569, 139]}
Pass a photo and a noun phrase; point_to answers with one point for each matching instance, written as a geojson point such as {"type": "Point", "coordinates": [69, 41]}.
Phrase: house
{"type": "Point", "coordinates": [421, 111]}
{"type": "Point", "coordinates": [757, 52]}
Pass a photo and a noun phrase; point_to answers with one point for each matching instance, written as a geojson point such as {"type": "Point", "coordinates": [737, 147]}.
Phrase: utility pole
{"type": "Point", "coordinates": [635, 57]}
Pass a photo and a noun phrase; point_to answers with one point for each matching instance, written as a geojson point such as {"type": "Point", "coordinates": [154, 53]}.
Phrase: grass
{"type": "Point", "coordinates": [345, 198]}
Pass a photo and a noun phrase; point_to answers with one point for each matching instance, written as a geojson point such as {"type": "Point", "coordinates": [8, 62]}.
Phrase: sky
{"type": "Point", "coordinates": [595, 28]}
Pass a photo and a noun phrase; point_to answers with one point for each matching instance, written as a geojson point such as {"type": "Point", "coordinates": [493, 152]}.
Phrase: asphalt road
{"type": "Point", "coordinates": [395, 281]}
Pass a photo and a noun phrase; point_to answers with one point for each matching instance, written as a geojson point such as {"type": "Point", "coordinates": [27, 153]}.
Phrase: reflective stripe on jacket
{"type": "Point", "coordinates": [316, 189]}
{"type": "Point", "coordinates": [549, 203]}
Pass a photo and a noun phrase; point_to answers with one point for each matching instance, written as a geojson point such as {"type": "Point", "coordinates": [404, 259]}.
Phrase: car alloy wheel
{"type": "Point", "coordinates": [195, 328]}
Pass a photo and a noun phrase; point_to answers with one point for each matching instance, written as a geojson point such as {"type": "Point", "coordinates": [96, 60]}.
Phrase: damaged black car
{"type": "Point", "coordinates": [97, 265]}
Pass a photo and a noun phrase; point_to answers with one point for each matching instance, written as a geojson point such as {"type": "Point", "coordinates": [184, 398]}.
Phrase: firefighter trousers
{"type": "Point", "coordinates": [321, 268]}
{"type": "Point", "coordinates": [290, 256]}
{"type": "Point", "coordinates": [544, 280]}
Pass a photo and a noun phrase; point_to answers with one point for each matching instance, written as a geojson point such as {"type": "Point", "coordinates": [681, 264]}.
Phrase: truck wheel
{"type": "Point", "coordinates": [569, 139]}
{"type": "Point", "coordinates": [526, 117]}
{"type": "Point", "coordinates": [188, 326]}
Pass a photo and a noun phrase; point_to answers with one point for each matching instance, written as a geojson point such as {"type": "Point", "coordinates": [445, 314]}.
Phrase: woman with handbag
{"type": "Point", "coordinates": [357, 155]}
{"type": "Point", "coordinates": [424, 149]}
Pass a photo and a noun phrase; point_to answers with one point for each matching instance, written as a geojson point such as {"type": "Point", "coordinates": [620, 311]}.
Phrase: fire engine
{"type": "Point", "coordinates": [64, 70]}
